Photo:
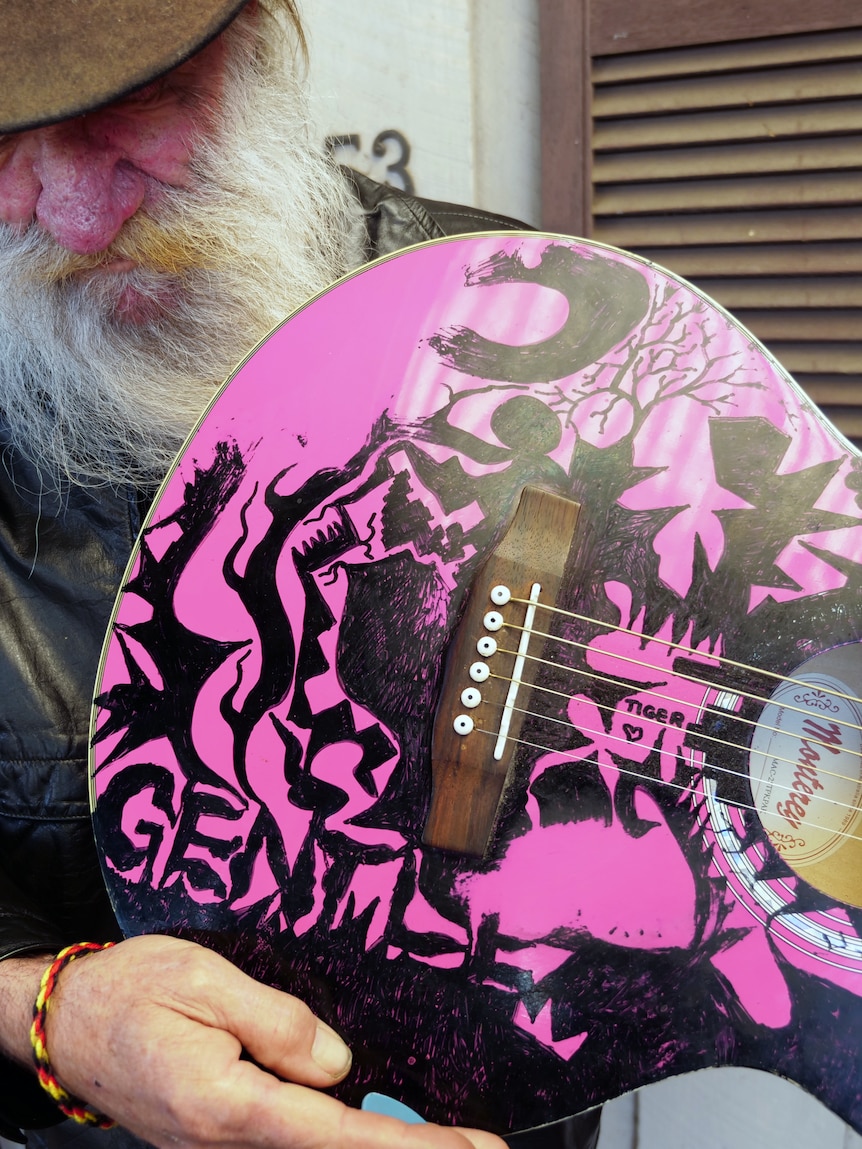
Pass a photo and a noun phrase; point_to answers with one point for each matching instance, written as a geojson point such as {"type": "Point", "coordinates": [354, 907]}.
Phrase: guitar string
{"type": "Point", "coordinates": [677, 647]}
{"type": "Point", "coordinates": [609, 626]}
{"type": "Point", "coordinates": [716, 710]}
{"type": "Point", "coordinates": [575, 756]}
{"type": "Point", "coordinates": [706, 737]}
{"type": "Point", "coordinates": [693, 678]}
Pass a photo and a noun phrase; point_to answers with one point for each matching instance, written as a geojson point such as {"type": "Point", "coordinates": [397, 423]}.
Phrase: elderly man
{"type": "Point", "coordinates": [160, 210]}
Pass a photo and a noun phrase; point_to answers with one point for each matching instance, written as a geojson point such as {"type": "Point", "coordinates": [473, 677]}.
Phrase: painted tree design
{"type": "Point", "coordinates": [677, 352]}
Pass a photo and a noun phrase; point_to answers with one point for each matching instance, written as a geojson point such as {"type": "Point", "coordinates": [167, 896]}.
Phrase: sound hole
{"type": "Point", "coordinates": [806, 772]}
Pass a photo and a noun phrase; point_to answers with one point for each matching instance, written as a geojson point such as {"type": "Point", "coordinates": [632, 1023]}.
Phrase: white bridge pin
{"type": "Point", "coordinates": [487, 646]}
{"type": "Point", "coordinates": [500, 595]}
{"type": "Point", "coordinates": [493, 620]}
{"type": "Point", "coordinates": [471, 697]}
{"type": "Point", "coordinates": [480, 671]}
{"type": "Point", "coordinates": [463, 724]}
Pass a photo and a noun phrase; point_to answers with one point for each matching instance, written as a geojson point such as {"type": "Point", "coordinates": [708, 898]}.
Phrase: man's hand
{"type": "Point", "coordinates": [151, 1031]}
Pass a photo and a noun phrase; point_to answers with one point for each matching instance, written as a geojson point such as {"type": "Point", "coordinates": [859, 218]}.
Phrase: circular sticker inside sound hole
{"type": "Point", "coordinates": [806, 771]}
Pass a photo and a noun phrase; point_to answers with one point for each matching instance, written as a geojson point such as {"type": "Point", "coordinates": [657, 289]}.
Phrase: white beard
{"type": "Point", "coordinates": [93, 398]}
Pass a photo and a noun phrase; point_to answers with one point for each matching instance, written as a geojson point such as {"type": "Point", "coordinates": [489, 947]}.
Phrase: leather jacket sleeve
{"type": "Point", "coordinates": [61, 560]}
{"type": "Point", "coordinates": [396, 220]}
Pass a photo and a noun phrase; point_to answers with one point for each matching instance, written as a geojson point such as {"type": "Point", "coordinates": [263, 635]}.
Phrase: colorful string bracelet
{"type": "Point", "coordinates": [73, 1107]}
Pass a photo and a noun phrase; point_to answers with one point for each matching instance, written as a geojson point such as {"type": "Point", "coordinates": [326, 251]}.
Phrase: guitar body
{"type": "Point", "coordinates": [672, 877]}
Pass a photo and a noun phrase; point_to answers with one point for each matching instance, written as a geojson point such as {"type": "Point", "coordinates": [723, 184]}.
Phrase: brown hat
{"type": "Point", "coordinates": [59, 58]}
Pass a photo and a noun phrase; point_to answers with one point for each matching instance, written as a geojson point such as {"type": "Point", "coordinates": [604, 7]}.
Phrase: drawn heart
{"type": "Point", "coordinates": [633, 733]}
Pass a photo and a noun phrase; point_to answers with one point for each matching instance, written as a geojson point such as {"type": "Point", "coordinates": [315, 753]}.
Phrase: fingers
{"type": "Point", "coordinates": [281, 1033]}
{"type": "Point", "coordinates": [389, 1133]}
{"type": "Point", "coordinates": [482, 1140]}
{"type": "Point", "coordinates": [305, 1119]}
{"type": "Point", "coordinates": [278, 1030]}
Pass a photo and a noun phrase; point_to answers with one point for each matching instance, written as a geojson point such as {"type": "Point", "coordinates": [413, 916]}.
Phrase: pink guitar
{"type": "Point", "coordinates": [487, 675]}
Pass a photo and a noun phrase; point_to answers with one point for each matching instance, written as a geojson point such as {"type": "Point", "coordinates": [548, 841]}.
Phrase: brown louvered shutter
{"type": "Point", "coordinates": [737, 164]}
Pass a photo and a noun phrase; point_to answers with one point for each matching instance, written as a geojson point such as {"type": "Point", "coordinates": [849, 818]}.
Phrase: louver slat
{"type": "Point", "coordinates": [811, 358]}
{"type": "Point", "coordinates": [845, 44]}
{"type": "Point", "coordinates": [789, 291]}
{"type": "Point", "coordinates": [781, 259]}
{"type": "Point", "coordinates": [739, 166]}
{"type": "Point", "coordinates": [832, 390]}
{"type": "Point", "coordinates": [732, 159]}
{"type": "Point", "coordinates": [743, 227]}
{"type": "Point", "coordinates": [783, 86]}
{"type": "Point", "coordinates": [842, 325]}
{"type": "Point", "coordinates": [696, 128]}
{"type": "Point", "coordinates": [776, 191]}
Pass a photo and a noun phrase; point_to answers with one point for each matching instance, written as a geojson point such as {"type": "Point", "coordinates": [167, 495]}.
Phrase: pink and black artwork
{"type": "Point", "coordinates": [674, 874]}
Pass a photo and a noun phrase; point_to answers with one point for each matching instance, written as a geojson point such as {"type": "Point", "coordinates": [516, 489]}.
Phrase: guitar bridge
{"type": "Point", "coordinates": [490, 671]}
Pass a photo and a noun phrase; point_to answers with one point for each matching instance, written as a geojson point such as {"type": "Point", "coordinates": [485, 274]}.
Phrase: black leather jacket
{"type": "Point", "coordinates": [61, 562]}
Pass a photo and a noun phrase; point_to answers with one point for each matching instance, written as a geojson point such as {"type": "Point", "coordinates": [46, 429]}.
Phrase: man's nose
{"type": "Point", "coordinates": [88, 190]}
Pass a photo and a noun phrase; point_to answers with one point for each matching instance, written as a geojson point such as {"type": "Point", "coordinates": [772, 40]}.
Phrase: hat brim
{"type": "Point", "coordinates": [61, 59]}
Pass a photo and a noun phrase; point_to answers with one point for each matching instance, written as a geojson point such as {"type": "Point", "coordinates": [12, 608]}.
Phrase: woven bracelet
{"type": "Point", "coordinates": [73, 1107]}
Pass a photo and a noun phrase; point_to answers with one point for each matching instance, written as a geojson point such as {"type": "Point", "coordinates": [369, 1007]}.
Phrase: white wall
{"type": "Point", "coordinates": [458, 79]}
